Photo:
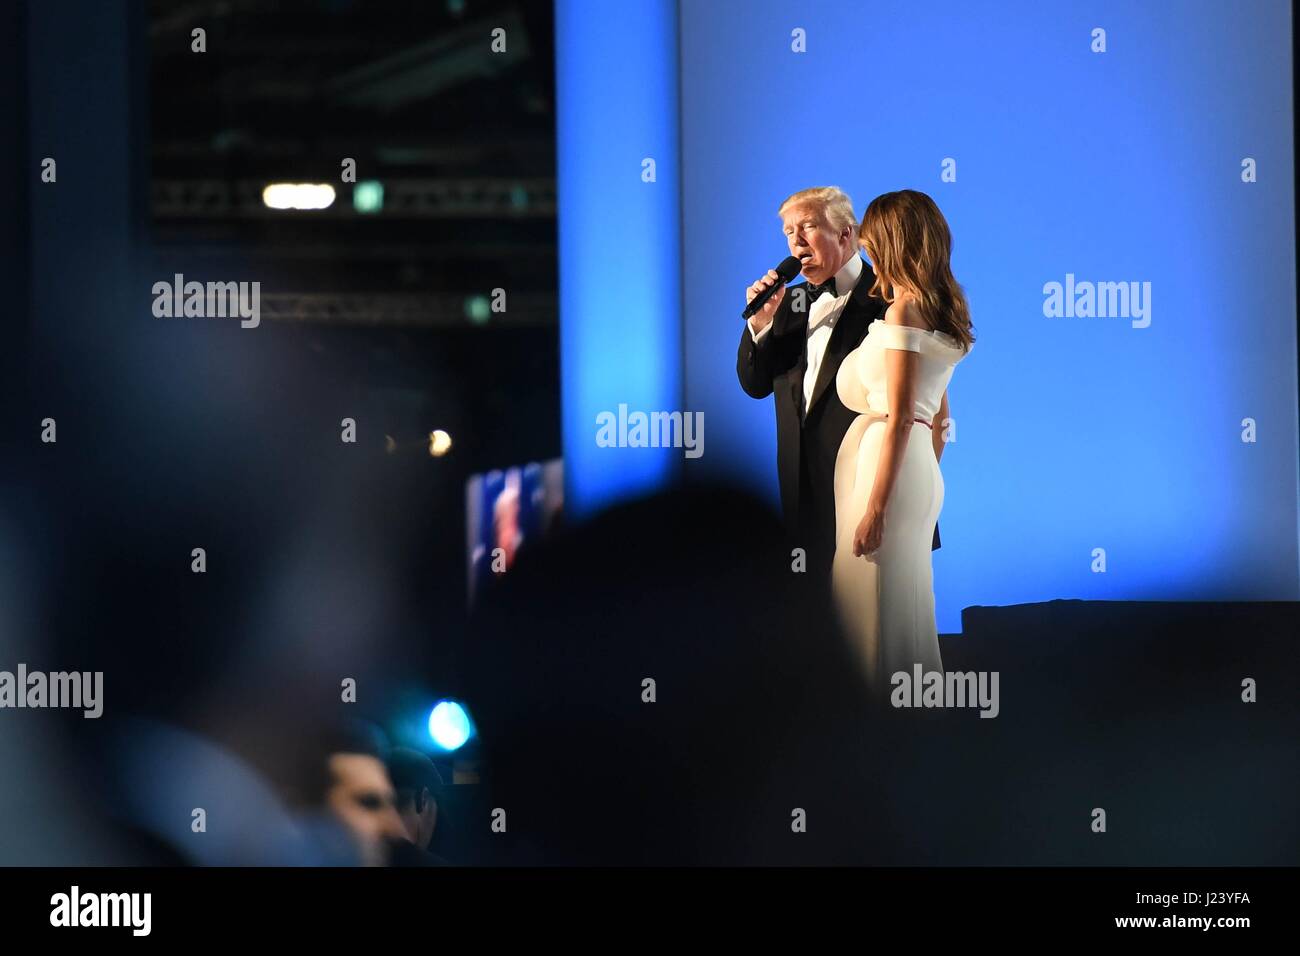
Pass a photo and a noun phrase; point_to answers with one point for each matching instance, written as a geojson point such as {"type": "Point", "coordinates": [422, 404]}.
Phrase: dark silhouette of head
{"type": "Point", "coordinates": [419, 790]}
{"type": "Point", "coordinates": [660, 685]}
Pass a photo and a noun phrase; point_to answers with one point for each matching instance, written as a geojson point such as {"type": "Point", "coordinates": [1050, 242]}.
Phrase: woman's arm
{"type": "Point", "coordinates": [900, 372]}
{"type": "Point", "coordinates": [940, 424]}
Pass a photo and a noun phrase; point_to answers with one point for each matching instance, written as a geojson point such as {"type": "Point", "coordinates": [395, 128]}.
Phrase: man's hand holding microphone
{"type": "Point", "coordinates": [764, 297]}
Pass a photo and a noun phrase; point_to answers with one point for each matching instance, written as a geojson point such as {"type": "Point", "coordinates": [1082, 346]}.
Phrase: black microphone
{"type": "Point", "coordinates": [787, 270]}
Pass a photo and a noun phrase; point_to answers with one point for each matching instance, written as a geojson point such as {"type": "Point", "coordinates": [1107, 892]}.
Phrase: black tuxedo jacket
{"type": "Point", "coordinates": [808, 443]}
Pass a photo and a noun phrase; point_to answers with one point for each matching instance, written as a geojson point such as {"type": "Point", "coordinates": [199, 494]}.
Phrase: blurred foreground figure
{"type": "Point", "coordinates": [419, 791]}
{"type": "Point", "coordinates": [665, 685]}
{"type": "Point", "coordinates": [356, 790]}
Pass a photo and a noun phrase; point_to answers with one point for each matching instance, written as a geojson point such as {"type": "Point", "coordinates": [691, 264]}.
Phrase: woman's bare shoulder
{"type": "Point", "coordinates": [904, 311]}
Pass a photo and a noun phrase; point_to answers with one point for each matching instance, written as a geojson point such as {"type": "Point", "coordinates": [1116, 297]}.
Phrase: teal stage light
{"type": "Point", "coordinates": [449, 725]}
{"type": "Point", "coordinates": [368, 196]}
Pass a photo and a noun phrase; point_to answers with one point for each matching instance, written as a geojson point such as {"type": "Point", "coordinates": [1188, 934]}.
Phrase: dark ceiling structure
{"type": "Point", "coordinates": [459, 136]}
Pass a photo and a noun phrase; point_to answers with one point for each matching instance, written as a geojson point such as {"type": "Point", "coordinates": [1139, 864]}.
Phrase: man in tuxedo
{"type": "Point", "coordinates": [792, 349]}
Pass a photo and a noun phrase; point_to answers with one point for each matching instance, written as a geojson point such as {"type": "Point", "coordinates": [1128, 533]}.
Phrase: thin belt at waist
{"type": "Point", "coordinates": [916, 421]}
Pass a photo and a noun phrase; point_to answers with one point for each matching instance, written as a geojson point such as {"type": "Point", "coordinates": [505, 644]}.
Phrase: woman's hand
{"type": "Point", "coordinates": [870, 533]}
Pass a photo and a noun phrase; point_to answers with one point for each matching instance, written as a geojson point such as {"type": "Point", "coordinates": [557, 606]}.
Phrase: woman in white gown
{"type": "Point", "coordinates": [888, 489]}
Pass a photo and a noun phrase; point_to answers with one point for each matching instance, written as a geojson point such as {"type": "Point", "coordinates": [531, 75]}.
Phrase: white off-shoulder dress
{"type": "Point", "coordinates": [886, 601]}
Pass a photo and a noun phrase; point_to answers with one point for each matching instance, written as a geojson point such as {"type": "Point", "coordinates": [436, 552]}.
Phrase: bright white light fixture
{"type": "Point", "coordinates": [298, 196]}
{"type": "Point", "coordinates": [439, 443]}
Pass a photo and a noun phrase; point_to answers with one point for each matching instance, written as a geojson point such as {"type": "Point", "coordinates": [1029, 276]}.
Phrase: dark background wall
{"type": "Point", "coordinates": [324, 559]}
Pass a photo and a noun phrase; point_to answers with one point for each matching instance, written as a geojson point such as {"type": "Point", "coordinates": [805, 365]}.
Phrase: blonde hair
{"type": "Point", "coordinates": [835, 205]}
{"type": "Point", "coordinates": [908, 242]}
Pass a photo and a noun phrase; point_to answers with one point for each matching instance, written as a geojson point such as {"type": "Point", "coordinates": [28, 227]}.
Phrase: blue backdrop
{"type": "Point", "coordinates": [619, 235]}
{"type": "Point", "coordinates": [1073, 434]}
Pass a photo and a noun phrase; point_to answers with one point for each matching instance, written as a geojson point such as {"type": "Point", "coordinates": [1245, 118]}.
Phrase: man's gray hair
{"type": "Point", "coordinates": [833, 202]}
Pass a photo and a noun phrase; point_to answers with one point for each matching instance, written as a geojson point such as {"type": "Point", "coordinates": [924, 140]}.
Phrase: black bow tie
{"type": "Point", "coordinates": [815, 291]}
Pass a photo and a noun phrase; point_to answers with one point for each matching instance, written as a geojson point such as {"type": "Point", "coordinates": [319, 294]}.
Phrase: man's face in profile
{"type": "Point", "coordinates": [362, 798]}
{"type": "Point", "coordinates": [812, 239]}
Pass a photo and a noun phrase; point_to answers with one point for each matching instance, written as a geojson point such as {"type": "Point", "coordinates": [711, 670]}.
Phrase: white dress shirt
{"type": "Point", "coordinates": [822, 316]}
